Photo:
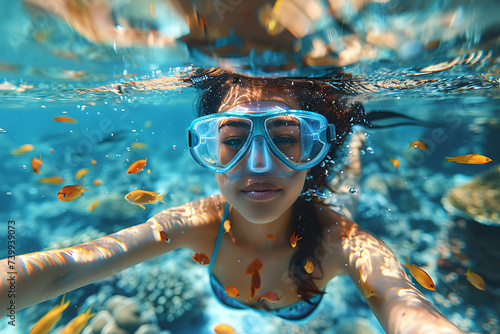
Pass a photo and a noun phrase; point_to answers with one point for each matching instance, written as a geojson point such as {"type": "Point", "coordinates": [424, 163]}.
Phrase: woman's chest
{"type": "Point", "coordinates": [257, 275]}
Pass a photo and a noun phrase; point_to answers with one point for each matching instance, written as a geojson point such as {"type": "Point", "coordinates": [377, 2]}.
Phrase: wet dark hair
{"type": "Point", "coordinates": [327, 95]}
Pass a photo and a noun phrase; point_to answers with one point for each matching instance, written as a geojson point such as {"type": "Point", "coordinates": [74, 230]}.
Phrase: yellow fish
{"type": "Point", "coordinates": [475, 279]}
{"type": "Point", "coordinates": [97, 183]}
{"type": "Point", "coordinates": [80, 173]}
{"type": "Point", "coordinates": [93, 205]}
{"type": "Point", "coordinates": [23, 149]}
{"type": "Point", "coordinates": [72, 192]}
{"type": "Point", "coordinates": [227, 226]}
{"type": "Point", "coordinates": [472, 159]}
{"type": "Point", "coordinates": [418, 144]}
{"type": "Point", "coordinates": [420, 275]}
{"type": "Point", "coordinates": [51, 180]}
{"type": "Point", "coordinates": [93, 162]}
{"type": "Point", "coordinates": [395, 162]}
{"type": "Point", "coordinates": [140, 197]}
{"type": "Point", "coordinates": [78, 324]}
{"type": "Point", "coordinates": [44, 325]}
{"type": "Point", "coordinates": [367, 291]}
{"type": "Point", "coordinates": [309, 267]}
{"type": "Point", "coordinates": [136, 145]}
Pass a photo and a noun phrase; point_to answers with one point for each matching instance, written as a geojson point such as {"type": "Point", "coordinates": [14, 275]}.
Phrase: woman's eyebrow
{"type": "Point", "coordinates": [234, 123]}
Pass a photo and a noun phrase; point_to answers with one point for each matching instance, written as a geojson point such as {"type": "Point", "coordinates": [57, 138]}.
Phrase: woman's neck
{"type": "Point", "coordinates": [245, 232]}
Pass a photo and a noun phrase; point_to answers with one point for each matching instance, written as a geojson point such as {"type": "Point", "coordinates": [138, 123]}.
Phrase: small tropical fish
{"type": "Point", "coordinates": [472, 159]}
{"type": "Point", "coordinates": [232, 291]}
{"type": "Point", "coordinates": [164, 237]}
{"type": "Point", "coordinates": [271, 237]}
{"type": "Point", "coordinates": [309, 267]}
{"type": "Point", "coordinates": [51, 150]}
{"type": "Point", "coordinates": [256, 265]}
{"type": "Point", "coordinates": [51, 180]}
{"type": "Point", "coordinates": [395, 162]}
{"type": "Point", "coordinates": [137, 166]}
{"type": "Point", "coordinates": [48, 321]}
{"type": "Point", "coordinates": [255, 283]}
{"type": "Point", "coordinates": [270, 297]}
{"type": "Point", "coordinates": [293, 239]}
{"type": "Point", "coordinates": [36, 164]}
{"type": "Point", "coordinates": [201, 258]}
{"type": "Point", "coordinates": [72, 192]}
{"type": "Point", "coordinates": [81, 172]}
{"type": "Point", "coordinates": [138, 145]}
{"type": "Point", "coordinates": [65, 119]}
{"type": "Point", "coordinates": [227, 226]}
{"type": "Point", "coordinates": [22, 149]}
{"type": "Point", "coordinates": [475, 279]}
{"type": "Point", "coordinates": [224, 329]}
{"type": "Point", "coordinates": [367, 291]}
{"type": "Point", "coordinates": [78, 324]}
{"type": "Point", "coordinates": [140, 197]}
{"type": "Point", "coordinates": [149, 171]}
{"type": "Point", "coordinates": [93, 162]}
{"type": "Point", "coordinates": [152, 10]}
{"type": "Point", "coordinates": [93, 205]}
{"type": "Point", "coordinates": [420, 275]}
{"type": "Point", "coordinates": [418, 144]}
{"type": "Point", "coordinates": [97, 183]}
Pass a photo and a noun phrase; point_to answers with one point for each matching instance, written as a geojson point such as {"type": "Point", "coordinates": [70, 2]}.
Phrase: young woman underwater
{"type": "Point", "coordinates": [271, 144]}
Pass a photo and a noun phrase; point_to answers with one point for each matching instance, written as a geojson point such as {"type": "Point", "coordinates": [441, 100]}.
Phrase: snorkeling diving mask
{"type": "Point", "coordinates": [299, 139]}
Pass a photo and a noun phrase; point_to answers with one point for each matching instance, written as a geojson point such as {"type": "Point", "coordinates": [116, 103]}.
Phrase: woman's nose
{"type": "Point", "coordinates": [258, 160]}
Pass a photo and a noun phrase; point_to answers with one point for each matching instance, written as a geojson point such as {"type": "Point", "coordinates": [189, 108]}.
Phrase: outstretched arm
{"type": "Point", "coordinates": [398, 305]}
{"type": "Point", "coordinates": [44, 275]}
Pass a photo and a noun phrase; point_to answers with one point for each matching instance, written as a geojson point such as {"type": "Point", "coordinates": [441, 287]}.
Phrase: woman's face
{"type": "Point", "coordinates": [260, 187]}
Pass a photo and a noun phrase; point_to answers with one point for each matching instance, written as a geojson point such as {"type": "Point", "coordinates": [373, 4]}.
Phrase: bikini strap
{"type": "Point", "coordinates": [219, 237]}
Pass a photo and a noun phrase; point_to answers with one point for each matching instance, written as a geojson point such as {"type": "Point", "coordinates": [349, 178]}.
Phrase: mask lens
{"type": "Point", "coordinates": [296, 137]}
{"type": "Point", "coordinates": [233, 134]}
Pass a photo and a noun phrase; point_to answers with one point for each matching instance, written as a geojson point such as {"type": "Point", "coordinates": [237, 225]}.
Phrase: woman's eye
{"type": "Point", "coordinates": [235, 142]}
{"type": "Point", "coordinates": [284, 140]}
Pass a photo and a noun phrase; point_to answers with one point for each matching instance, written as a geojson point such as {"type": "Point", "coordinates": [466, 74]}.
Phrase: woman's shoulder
{"type": "Point", "coordinates": [332, 221]}
{"type": "Point", "coordinates": [196, 222]}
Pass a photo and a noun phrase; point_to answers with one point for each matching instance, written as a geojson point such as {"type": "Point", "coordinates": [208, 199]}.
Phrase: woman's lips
{"type": "Point", "coordinates": [261, 191]}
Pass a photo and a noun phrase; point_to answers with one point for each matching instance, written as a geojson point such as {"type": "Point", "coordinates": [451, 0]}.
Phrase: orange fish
{"type": "Point", "coordinates": [472, 159]}
{"type": "Point", "coordinates": [232, 291]}
{"type": "Point", "coordinates": [149, 171]}
{"type": "Point", "coordinates": [395, 162]}
{"type": "Point", "coordinates": [224, 329]}
{"type": "Point", "coordinates": [51, 180]}
{"type": "Point", "coordinates": [475, 279]}
{"type": "Point", "coordinates": [293, 239]}
{"type": "Point", "coordinates": [137, 166]}
{"type": "Point", "coordinates": [79, 323]}
{"type": "Point", "coordinates": [36, 164]}
{"type": "Point", "coordinates": [418, 144]}
{"type": "Point", "coordinates": [255, 283]}
{"type": "Point", "coordinates": [227, 226]}
{"type": "Point", "coordinates": [201, 258]}
{"type": "Point", "coordinates": [72, 192]}
{"type": "Point", "coordinates": [93, 205]}
{"type": "Point", "coordinates": [367, 291]}
{"type": "Point", "coordinates": [309, 267]}
{"type": "Point", "coordinates": [22, 149]}
{"type": "Point", "coordinates": [93, 162]}
{"type": "Point", "coordinates": [164, 237]}
{"type": "Point", "coordinates": [48, 321]}
{"type": "Point", "coordinates": [97, 183]}
{"type": "Point", "coordinates": [140, 197]}
{"type": "Point", "coordinates": [152, 10]}
{"type": "Point", "coordinates": [256, 265]}
{"type": "Point", "coordinates": [80, 173]}
{"type": "Point", "coordinates": [51, 150]}
{"type": "Point", "coordinates": [65, 119]}
{"type": "Point", "coordinates": [270, 296]}
{"type": "Point", "coordinates": [271, 237]}
{"type": "Point", "coordinates": [420, 275]}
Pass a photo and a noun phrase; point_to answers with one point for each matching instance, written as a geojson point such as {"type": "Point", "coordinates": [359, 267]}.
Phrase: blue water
{"type": "Point", "coordinates": [39, 62]}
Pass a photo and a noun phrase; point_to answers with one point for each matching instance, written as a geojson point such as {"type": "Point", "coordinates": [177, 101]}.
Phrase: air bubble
{"type": "Point", "coordinates": [370, 150]}
{"type": "Point", "coordinates": [353, 191]}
